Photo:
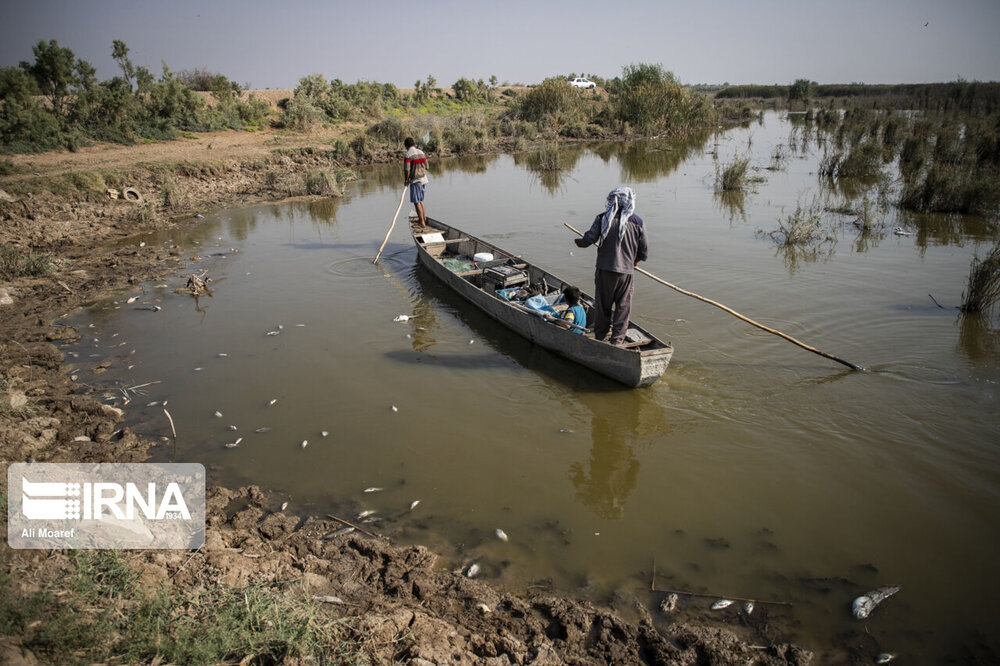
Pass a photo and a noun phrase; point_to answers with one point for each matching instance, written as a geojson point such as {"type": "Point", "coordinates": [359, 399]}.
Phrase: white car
{"type": "Point", "coordinates": [581, 82]}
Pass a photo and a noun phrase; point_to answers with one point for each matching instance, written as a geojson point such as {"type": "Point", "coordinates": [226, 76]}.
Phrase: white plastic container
{"type": "Point", "coordinates": [482, 256]}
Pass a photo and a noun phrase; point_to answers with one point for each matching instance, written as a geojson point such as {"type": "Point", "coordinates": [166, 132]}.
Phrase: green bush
{"type": "Point", "coordinates": [301, 114]}
{"type": "Point", "coordinates": [553, 97]}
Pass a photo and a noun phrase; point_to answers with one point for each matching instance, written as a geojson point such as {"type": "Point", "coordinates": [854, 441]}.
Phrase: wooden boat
{"type": "Point", "coordinates": [496, 286]}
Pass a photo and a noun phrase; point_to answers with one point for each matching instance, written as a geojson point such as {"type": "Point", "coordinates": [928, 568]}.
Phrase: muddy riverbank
{"type": "Point", "coordinates": [388, 602]}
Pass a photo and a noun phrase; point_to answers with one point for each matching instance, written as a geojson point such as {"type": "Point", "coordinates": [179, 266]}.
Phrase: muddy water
{"type": "Point", "coordinates": [752, 469]}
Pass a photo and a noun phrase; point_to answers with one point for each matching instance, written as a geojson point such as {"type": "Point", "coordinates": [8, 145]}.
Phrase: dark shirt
{"type": "Point", "coordinates": [618, 255]}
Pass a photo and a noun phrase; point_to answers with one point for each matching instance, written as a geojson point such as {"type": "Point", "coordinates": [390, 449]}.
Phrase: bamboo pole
{"type": "Point", "coordinates": [396, 214]}
{"type": "Point", "coordinates": [736, 314]}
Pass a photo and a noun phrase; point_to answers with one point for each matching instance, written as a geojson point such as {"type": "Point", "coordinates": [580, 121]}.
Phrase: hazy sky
{"type": "Point", "coordinates": [272, 44]}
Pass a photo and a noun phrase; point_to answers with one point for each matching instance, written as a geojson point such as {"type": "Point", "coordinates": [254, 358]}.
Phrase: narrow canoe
{"type": "Point", "coordinates": [449, 254]}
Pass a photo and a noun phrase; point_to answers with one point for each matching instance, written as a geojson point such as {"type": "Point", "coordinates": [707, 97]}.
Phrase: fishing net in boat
{"type": "Point", "coordinates": [458, 264]}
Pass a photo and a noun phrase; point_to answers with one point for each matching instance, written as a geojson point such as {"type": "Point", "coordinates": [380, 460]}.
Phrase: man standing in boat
{"type": "Point", "coordinates": [621, 244]}
{"type": "Point", "coordinates": [415, 175]}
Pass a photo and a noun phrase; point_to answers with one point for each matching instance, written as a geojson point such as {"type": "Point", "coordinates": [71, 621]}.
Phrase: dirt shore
{"type": "Point", "coordinates": [399, 604]}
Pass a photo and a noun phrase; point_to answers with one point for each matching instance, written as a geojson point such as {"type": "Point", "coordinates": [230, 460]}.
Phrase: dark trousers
{"type": "Point", "coordinates": [612, 305]}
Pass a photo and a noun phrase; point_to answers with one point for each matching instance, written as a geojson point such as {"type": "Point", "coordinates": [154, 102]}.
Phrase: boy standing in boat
{"type": "Point", "coordinates": [621, 244]}
{"type": "Point", "coordinates": [415, 175]}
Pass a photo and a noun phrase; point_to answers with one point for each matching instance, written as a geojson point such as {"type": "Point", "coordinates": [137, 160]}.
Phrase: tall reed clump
{"type": "Point", "coordinates": [982, 291]}
{"type": "Point", "coordinates": [733, 177]}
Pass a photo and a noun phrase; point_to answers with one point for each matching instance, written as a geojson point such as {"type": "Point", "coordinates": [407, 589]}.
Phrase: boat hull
{"type": "Point", "coordinates": [631, 367]}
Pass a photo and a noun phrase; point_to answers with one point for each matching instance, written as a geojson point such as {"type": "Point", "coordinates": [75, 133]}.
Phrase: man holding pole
{"type": "Point", "coordinates": [621, 244]}
{"type": "Point", "coordinates": [415, 175]}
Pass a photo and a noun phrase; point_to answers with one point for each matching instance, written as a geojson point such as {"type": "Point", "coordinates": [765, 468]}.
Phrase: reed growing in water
{"type": "Point", "coordinates": [983, 289]}
{"type": "Point", "coordinates": [733, 177]}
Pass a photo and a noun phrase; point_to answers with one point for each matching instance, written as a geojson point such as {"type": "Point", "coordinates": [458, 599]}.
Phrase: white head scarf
{"type": "Point", "coordinates": [621, 202]}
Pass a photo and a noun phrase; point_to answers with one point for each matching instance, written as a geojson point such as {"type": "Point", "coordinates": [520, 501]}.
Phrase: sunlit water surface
{"type": "Point", "coordinates": [753, 468]}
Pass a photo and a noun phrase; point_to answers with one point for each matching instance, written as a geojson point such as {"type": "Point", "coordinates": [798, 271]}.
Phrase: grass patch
{"type": "Point", "coordinates": [16, 262]}
{"type": "Point", "coordinates": [97, 613]}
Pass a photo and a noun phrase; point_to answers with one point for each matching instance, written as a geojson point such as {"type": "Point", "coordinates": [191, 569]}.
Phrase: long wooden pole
{"type": "Point", "coordinates": [386, 240]}
{"type": "Point", "coordinates": [736, 314]}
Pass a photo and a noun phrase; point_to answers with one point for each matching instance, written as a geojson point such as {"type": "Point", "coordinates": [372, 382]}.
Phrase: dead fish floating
{"type": "Point", "coordinates": [472, 571]}
{"type": "Point", "coordinates": [722, 603]}
{"type": "Point", "coordinates": [413, 504]}
{"type": "Point", "coordinates": [233, 445]}
{"type": "Point", "coordinates": [260, 431]}
{"type": "Point", "coordinates": [373, 489]}
{"type": "Point", "coordinates": [866, 603]}
{"type": "Point", "coordinates": [500, 534]}
{"type": "Point", "coordinates": [885, 658]}
{"type": "Point", "coordinates": [365, 513]}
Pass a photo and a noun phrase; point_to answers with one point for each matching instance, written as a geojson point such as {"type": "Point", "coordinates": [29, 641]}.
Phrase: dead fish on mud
{"type": "Point", "coordinates": [329, 599]}
{"type": "Point", "coordinates": [866, 603]}
{"type": "Point", "coordinates": [722, 603]}
{"type": "Point", "coordinates": [336, 533]}
{"type": "Point", "coordinates": [472, 571]}
{"type": "Point", "coordinates": [748, 607]}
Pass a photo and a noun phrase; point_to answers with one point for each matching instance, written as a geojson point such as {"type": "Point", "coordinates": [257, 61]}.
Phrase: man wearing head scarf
{"type": "Point", "coordinates": [621, 244]}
